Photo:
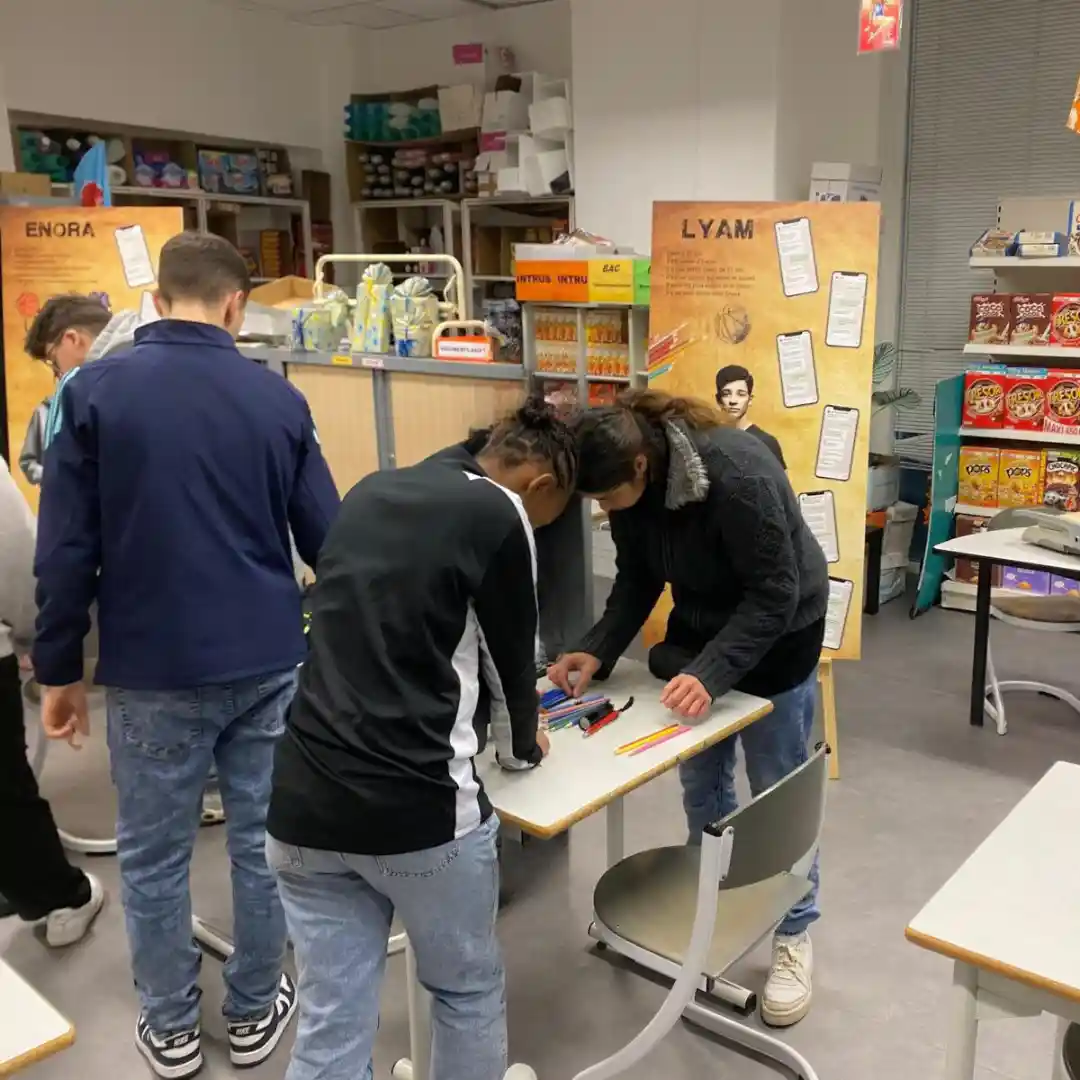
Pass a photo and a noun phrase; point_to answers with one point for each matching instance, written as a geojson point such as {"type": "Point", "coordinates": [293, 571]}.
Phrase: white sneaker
{"type": "Point", "coordinates": [788, 989]}
{"type": "Point", "coordinates": [65, 926]}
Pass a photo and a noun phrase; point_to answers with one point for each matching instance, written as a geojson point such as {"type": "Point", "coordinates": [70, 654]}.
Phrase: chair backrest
{"type": "Point", "coordinates": [1016, 517]}
{"type": "Point", "coordinates": [779, 830]}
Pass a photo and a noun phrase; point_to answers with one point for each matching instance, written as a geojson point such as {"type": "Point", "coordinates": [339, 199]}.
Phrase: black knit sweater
{"type": "Point", "coordinates": [749, 581]}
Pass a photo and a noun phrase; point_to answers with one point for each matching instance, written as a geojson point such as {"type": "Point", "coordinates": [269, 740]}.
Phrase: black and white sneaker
{"type": "Point", "coordinates": [251, 1042]}
{"type": "Point", "coordinates": [171, 1056]}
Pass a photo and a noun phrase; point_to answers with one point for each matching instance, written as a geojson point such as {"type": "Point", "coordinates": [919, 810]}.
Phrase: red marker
{"type": "Point", "coordinates": [602, 722]}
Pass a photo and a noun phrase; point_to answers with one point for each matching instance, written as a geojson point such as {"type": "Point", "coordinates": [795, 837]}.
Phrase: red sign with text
{"type": "Point", "coordinates": [879, 25]}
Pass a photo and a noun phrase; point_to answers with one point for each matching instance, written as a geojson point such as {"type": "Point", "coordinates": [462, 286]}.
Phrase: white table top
{"type": "Point", "coordinates": [582, 775]}
{"type": "Point", "coordinates": [1006, 546]}
{"type": "Point", "coordinates": [1011, 907]}
{"type": "Point", "coordinates": [30, 1028]}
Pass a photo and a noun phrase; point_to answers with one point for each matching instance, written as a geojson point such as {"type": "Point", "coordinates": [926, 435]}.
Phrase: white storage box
{"type": "Point", "coordinates": [882, 486]}
{"type": "Point", "coordinates": [893, 584]}
{"type": "Point", "coordinates": [551, 118]}
{"type": "Point", "coordinates": [505, 110]}
{"type": "Point", "coordinates": [900, 521]}
{"type": "Point", "coordinates": [837, 181]}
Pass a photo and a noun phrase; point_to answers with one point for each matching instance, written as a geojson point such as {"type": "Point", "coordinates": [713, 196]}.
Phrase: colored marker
{"type": "Point", "coordinates": [656, 742]}
{"type": "Point", "coordinates": [594, 728]}
{"type": "Point", "coordinates": [645, 739]}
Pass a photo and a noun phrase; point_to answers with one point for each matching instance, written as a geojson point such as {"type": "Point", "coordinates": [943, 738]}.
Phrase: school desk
{"type": "Point", "coordinates": [1005, 920]}
{"type": "Point", "coordinates": [31, 1029]}
{"type": "Point", "coordinates": [580, 777]}
{"type": "Point", "coordinates": [1007, 548]}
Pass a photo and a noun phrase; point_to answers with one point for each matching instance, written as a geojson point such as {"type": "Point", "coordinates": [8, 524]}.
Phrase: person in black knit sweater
{"type": "Point", "coordinates": [709, 510]}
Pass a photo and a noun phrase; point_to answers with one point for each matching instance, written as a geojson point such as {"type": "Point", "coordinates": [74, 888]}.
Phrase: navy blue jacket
{"type": "Point", "coordinates": [168, 495]}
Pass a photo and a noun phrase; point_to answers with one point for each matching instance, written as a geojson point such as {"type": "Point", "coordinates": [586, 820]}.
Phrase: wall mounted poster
{"type": "Point", "coordinates": [110, 252]}
{"type": "Point", "coordinates": [778, 300]}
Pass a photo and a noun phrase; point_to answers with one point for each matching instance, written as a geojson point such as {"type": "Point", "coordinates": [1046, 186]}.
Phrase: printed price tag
{"type": "Point", "coordinates": [342, 360]}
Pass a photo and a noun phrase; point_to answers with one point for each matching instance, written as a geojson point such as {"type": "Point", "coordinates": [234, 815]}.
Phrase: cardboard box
{"type": "Point", "coordinates": [1030, 318]}
{"type": "Point", "coordinates": [1061, 479]}
{"type": "Point", "coordinates": [284, 294]}
{"type": "Point", "coordinates": [1020, 477]}
{"type": "Point", "coordinates": [900, 519]}
{"type": "Point", "coordinates": [1065, 320]}
{"type": "Point", "coordinates": [1060, 586]}
{"type": "Point", "coordinates": [967, 570]}
{"type": "Point", "coordinates": [642, 281]}
{"type": "Point", "coordinates": [882, 487]}
{"type": "Point", "coordinates": [1062, 403]}
{"type": "Point", "coordinates": [1025, 398]}
{"type": "Point", "coordinates": [836, 181]}
{"type": "Point", "coordinates": [989, 321]}
{"type": "Point", "coordinates": [984, 396]}
{"type": "Point", "coordinates": [978, 475]}
{"type": "Point", "coordinates": [481, 65]}
{"type": "Point", "coordinates": [1029, 582]}
{"type": "Point", "coordinates": [460, 106]}
{"type": "Point", "coordinates": [19, 183]}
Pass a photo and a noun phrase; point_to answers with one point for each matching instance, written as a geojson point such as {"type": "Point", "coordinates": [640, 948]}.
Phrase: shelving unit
{"type": "Point", "coordinates": [395, 223]}
{"type": "Point", "coordinates": [637, 339]}
{"type": "Point", "coordinates": [1043, 438]}
{"type": "Point", "coordinates": [1060, 353]}
{"type": "Point", "coordinates": [489, 229]}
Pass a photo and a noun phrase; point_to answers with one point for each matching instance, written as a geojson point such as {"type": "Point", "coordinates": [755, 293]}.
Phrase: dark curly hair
{"type": "Point", "coordinates": [535, 431]}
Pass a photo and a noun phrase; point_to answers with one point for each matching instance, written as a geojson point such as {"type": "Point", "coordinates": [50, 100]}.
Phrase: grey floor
{"type": "Point", "coordinates": [920, 790]}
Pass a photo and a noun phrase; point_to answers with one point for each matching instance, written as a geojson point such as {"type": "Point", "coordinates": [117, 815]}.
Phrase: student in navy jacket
{"type": "Point", "coordinates": [173, 479]}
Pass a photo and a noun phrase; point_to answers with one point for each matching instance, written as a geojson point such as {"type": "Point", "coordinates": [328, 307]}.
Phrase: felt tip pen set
{"type": "Point", "coordinates": [588, 713]}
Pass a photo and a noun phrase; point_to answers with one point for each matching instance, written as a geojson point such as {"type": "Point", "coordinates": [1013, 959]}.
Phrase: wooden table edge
{"type": "Point", "coordinates": [987, 963]}
{"type": "Point", "coordinates": [549, 832]}
{"type": "Point", "coordinates": [39, 1053]}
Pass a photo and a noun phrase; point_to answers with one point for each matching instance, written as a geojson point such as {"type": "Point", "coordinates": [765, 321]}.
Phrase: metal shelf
{"type": "Point", "coordinates": [409, 365]}
{"type": "Point", "coordinates": [1000, 262]}
{"type": "Point", "coordinates": [1057, 352]}
{"type": "Point", "coordinates": [977, 511]}
{"type": "Point", "coordinates": [1046, 437]}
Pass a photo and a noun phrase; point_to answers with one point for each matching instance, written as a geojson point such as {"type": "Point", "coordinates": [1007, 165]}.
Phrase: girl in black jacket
{"type": "Point", "coordinates": [709, 510]}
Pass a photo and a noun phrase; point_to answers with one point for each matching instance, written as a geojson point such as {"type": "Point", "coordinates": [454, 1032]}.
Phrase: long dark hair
{"type": "Point", "coordinates": [610, 439]}
{"type": "Point", "coordinates": [535, 431]}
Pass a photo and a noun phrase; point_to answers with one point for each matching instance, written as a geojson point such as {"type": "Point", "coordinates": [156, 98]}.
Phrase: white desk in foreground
{"type": "Point", "coordinates": [1006, 916]}
{"type": "Point", "coordinates": [30, 1028]}
{"type": "Point", "coordinates": [580, 777]}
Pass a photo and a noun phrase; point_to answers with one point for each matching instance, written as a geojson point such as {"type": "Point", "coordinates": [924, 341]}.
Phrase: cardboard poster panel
{"type": "Point", "coordinates": [110, 252]}
{"type": "Point", "coordinates": [785, 293]}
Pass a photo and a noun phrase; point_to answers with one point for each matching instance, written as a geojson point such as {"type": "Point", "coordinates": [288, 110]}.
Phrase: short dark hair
{"type": "Point", "coordinates": [69, 311]}
{"type": "Point", "coordinates": [201, 267]}
{"type": "Point", "coordinates": [733, 373]}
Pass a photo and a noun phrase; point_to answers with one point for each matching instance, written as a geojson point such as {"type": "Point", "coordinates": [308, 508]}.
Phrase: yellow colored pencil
{"type": "Point", "coordinates": [645, 739]}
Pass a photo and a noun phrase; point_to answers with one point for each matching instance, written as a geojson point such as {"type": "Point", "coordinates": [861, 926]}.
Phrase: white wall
{"type": "Point", "coordinates": [682, 106]}
{"type": "Point", "coordinates": [7, 157]}
{"type": "Point", "coordinates": [421, 55]}
{"type": "Point", "coordinates": [195, 66]}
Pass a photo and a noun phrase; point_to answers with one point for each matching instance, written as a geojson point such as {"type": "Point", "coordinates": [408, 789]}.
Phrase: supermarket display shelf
{"type": "Point", "coordinates": [1045, 352]}
{"type": "Point", "coordinates": [1009, 435]}
{"type": "Point", "coordinates": [507, 279]}
{"type": "Point", "coordinates": [977, 511]}
{"type": "Point", "coordinates": [571, 376]}
{"type": "Point", "coordinates": [990, 262]}
{"type": "Point", "coordinates": [960, 595]}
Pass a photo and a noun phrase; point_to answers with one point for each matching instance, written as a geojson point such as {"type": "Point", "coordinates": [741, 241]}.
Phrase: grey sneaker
{"type": "Point", "coordinates": [213, 811]}
{"type": "Point", "coordinates": [65, 926]}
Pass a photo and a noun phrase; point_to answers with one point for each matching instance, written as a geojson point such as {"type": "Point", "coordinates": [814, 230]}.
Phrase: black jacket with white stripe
{"type": "Point", "coordinates": [423, 618]}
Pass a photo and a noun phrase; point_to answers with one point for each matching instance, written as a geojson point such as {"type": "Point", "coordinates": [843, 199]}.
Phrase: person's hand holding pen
{"type": "Point", "coordinates": [582, 666]}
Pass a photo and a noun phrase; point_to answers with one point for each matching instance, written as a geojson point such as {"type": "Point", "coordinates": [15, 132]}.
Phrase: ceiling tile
{"type": "Point", "coordinates": [429, 9]}
{"type": "Point", "coordinates": [367, 15]}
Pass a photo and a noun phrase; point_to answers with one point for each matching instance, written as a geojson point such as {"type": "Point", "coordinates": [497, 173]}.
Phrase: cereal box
{"type": "Point", "coordinates": [1062, 403]}
{"type": "Point", "coordinates": [968, 569]}
{"type": "Point", "coordinates": [1032, 582]}
{"type": "Point", "coordinates": [1029, 323]}
{"type": "Point", "coordinates": [989, 322]}
{"type": "Point", "coordinates": [978, 477]}
{"type": "Point", "coordinates": [1065, 320]}
{"type": "Point", "coordinates": [1061, 479]}
{"type": "Point", "coordinates": [1025, 398]}
{"type": "Point", "coordinates": [1020, 478]}
{"type": "Point", "coordinates": [1063, 586]}
{"type": "Point", "coordinates": [984, 396]}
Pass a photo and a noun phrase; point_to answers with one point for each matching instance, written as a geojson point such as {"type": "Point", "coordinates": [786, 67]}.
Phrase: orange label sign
{"type": "Point", "coordinates": [563, 282]}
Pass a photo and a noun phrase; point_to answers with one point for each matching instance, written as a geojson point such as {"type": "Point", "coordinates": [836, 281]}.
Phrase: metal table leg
{"type": "Point", "coordinates": [616, 833]}
{"type": "Point", "coordinates": [221, 945]}
{"type": "Point", "coordinates": [963, 1022]}
{"type": "Point", "coordinates": [982, 637]}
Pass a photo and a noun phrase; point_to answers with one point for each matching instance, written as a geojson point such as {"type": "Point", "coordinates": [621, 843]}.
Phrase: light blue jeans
{"type": "Point", "coordinates": [773, 746]}
{"type": "Point", "coordinates": [161, 747]}
{"type": "Point", "coordinates": [339, 909]}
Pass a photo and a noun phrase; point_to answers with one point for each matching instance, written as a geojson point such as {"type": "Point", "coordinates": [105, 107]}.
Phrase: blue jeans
{"type": "Point", "coordinates": [339, 909]}
{"type": "Point", "coordinates": [162, 746]}
{"type": "Point", "coordinates": [773, 746]}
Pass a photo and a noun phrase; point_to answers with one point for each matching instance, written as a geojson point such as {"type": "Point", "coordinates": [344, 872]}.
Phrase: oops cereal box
{"type": "Point", "coordinates": [984, 396]}
{"type": "Point", "coordinates": [1062, 403]}
{"type": "Point", "coordinates": [1025, 399]}
{"type": "Point", "coordinates": [978, 479]}
{"type": "Point", "coordinates": [1020, 478]}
